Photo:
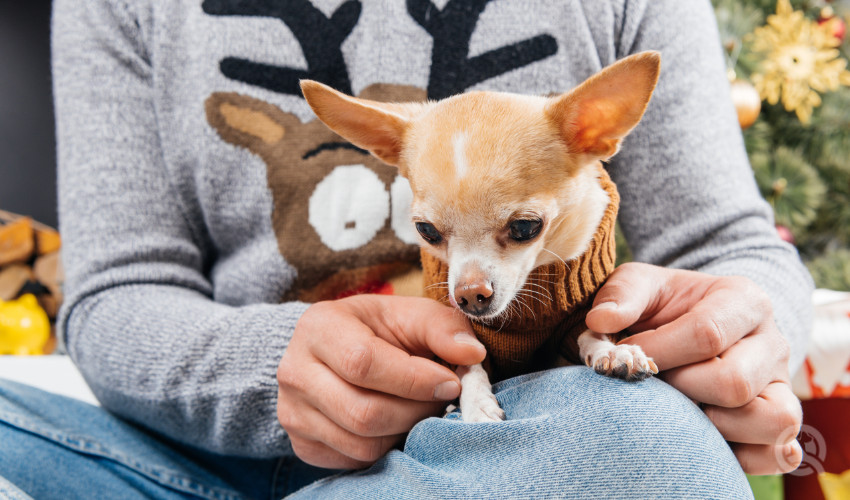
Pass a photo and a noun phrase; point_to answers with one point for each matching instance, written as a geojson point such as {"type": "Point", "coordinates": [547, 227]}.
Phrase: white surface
{"type": "Point", "coordinates": [54, 373]}
{"type": "Point", "coordinates": [822, 297]}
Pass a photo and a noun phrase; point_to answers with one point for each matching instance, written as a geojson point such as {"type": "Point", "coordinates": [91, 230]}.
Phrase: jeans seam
{"type": "Point", "coordinates": [276, 487]}
{"type": "Point", "coordinates": [12, 492]}
{"type": "Point", "coordinates": [159, 474]}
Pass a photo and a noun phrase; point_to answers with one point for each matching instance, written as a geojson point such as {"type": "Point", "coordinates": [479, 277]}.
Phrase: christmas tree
{"type": "Point", "coordinates": [787, 62]}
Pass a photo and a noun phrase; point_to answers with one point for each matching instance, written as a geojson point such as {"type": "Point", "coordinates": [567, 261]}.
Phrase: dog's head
{"type": "Point", "coordinates": [502, 183]}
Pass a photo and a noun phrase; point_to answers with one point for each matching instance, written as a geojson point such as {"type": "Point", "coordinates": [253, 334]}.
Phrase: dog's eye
{"type": "Point", "coordinates": [524, 230]}
{"type": "Point", "coordinates": [429, 232]}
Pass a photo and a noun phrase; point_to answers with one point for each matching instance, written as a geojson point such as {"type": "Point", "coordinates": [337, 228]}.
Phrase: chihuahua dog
{"type": "Point", "coordinates": [503, 184]}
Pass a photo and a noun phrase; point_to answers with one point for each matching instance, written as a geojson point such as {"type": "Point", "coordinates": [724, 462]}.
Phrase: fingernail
{"type": "Point", "coordinates": [606, 306]}
{"type": "Point", "coordinates": [468, 339]}
{"type": "Point", "coordinates": [447, 391]}
{"type": "Point", "coordinates": [792, 451]}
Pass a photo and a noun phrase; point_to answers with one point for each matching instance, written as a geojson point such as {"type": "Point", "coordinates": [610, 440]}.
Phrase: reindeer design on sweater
{"type": "Point", "coordinates": [339, 215]}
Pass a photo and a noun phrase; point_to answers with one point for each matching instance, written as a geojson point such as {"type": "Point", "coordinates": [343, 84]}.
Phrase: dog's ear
{"type": "Point", "coordinates": [595, 116]}
{"type": "Point", "coordinates": [376, 126]}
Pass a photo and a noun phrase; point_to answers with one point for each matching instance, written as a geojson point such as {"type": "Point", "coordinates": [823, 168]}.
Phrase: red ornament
{"type": "Point", "coordinates": [785, 234]}
{"type": "Point", "coordinates": [839, 27]}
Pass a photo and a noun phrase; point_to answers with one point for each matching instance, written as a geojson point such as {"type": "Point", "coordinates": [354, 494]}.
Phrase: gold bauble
{"type": "Point", "coordinates": [747, 102]}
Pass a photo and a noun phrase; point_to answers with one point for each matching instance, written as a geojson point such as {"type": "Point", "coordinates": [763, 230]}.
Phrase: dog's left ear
{"type": "Point", "coordinates": [595, 116]}
{"type": "Point", "coordinates": [376, 126]}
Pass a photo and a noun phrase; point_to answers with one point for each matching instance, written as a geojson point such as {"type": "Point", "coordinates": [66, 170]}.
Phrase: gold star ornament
{"type": "Point", "coordinates": [800, 61]}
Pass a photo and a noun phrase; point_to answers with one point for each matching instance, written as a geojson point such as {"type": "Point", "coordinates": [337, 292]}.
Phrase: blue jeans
{"type": "Point", "coordinates": [570, 433]}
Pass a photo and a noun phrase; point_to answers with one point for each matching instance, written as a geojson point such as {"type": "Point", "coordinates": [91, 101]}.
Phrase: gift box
{"type": "Point", "coordinates": [823, 385]}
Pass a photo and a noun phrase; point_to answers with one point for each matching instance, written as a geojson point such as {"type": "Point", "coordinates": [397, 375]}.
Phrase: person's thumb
{"type": "Point", "coordinates": [625, 297]}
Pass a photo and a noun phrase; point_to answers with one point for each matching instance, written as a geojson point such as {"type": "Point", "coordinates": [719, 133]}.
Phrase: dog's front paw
{"type": "Point", "coordinates": [482, 408]}
{"type": "Point", "coordinates": [477, 402]}
{"type": "Point", "coordinates": [627, 362]}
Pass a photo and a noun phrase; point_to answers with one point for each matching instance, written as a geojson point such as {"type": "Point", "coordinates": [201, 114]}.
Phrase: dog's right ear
{"type": "Point", "coordinates": [375, 126]}
{"type": "Point", "coordinates": [595, 116]}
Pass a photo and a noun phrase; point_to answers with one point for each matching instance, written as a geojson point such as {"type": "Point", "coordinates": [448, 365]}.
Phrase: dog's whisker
{"type": "Point", "coordinates": [540, 283]}
{"type": "Point", "coordinates": [538, 295]}
{"type": "Point", "coordinates": [505, 316]}
{"type": "Point", "coordinates": [533, 293]}
{"type": "Point", "coordinates": [507, 313]}
{"type": "Point", "coordinates": [534, 298]}
{"type": "Point", "coordinates": [542, 279]}
{"type": "Point", "coordinates": [533, 287]}
{"type": "Point", "coordinates": [522, 303]}
{"type": "Point", "coordinates": [537, 289]}
{"type": "Point", "coordinates": [556, 255]}
{"type": "Point", "coordinates": [435, 285]}
{"type": "Point", "coordinates": [518, 301]}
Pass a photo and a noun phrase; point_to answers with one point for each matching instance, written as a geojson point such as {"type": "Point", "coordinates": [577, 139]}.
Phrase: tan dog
{"type": "Point", "coordinates": [502, 185]}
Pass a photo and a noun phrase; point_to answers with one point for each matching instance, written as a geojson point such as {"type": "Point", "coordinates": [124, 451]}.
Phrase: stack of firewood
{"type": "Point", "coordinates": [30, 263]}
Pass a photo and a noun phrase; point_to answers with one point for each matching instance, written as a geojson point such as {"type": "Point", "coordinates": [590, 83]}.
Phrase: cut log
{"type": "Point", "coordinates": [17, 241]}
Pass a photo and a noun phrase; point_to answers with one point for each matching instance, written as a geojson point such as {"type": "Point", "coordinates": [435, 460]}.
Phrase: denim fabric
{"type": "Point", "coordinates": [570, 433]}
{"type": "Point", "coordinates": [53, 447]}
{"type": "Point", "coordinates": [9, 491]}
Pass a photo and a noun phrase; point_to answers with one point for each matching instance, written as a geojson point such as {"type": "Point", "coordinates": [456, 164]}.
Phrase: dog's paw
{"type": "Point", "coordinates": [627, 362]}
{"type": "Point", "coordinates": [482, 408]}
{"type": "Point", "coordinates": [477, 402]}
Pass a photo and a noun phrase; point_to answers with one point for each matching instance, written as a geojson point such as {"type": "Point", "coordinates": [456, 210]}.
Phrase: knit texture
{"type": "Point", "coordinates": [539, 329]}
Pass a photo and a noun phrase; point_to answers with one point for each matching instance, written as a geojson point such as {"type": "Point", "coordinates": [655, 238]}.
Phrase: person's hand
{"type": "Point", "coordinates": [714, 339]}
{"type": "Point", "coordinates": [358, 375]}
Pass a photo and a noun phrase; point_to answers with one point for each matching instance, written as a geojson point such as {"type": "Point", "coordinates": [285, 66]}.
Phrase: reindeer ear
{"type": "Point", "coordinates": [595, 116]}
{"type": "Point", "coordinates": [371, 125]}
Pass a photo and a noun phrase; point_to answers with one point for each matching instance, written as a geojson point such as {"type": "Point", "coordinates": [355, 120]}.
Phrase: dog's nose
{"type": "Point", "coordinates": [474, 298]}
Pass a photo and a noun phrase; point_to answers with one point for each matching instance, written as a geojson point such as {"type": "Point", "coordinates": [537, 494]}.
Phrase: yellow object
{"type": "Point", "coordinates": [747, 102]}
{"type": "Point", "coordinates": [24, 326]}
{"type": "Point", "coordinates": [801, 61]}
{"type": "Point", "coordinates": [835, 486]}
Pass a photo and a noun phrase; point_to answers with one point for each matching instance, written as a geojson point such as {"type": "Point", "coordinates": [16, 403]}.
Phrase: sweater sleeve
{"type": "Point", "coordinates": [139, 319]}
{"type": "Point", "coordinates": [689, 196]}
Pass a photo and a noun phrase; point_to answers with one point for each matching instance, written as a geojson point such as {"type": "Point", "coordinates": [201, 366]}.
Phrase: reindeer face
{"type": "Point", "coordinates": [340, 215]}
{"type": "Point", "coordinates": [335, 207]}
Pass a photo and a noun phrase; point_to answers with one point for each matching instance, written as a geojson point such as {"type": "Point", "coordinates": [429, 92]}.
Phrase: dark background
{"type": "Point", "coordinates": [27, 141]}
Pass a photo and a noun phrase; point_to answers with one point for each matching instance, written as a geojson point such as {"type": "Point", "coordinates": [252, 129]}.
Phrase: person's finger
{"type": "Point", "coordinates": [421, 326]}
{"type": "Point", "coordinates": [367, 361]}
{"type": "Point", "coordinates": [360, 411]}
{"type": "Point", "coordinates": [770, 418]}
{"type": "Point", "coordinates": [370, 413]}
{"type": "Point", "coordinates": [311, 425]}
{"type": "Point", "coordinates": [630, 293]}
{"type": "Point", "coordinates": [760, 459]}
{"type": "Point", "coordinates": [736, 376]}
{"type": "Point", "coordinates": [730, 310]}
{"type": "Point", "coordinates": [319, 454]}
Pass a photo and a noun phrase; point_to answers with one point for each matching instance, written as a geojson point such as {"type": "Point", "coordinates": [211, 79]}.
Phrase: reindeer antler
{"type": "Point", "coordinates": [320, 38]}
{"type": "Point", "coordinates": [452, 70]}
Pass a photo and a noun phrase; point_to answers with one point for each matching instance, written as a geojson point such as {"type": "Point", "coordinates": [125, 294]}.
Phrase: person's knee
{"type": "Point", "coordinates": [602, 409]}
{"type": "Point", "coordinates": [647, 435]}
{"type": "Point", "coordinates": [569, 433]}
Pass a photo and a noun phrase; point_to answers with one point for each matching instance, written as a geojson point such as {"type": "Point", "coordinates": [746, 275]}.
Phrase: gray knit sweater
{"type": "Point", "coordinates": [201, 203]}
